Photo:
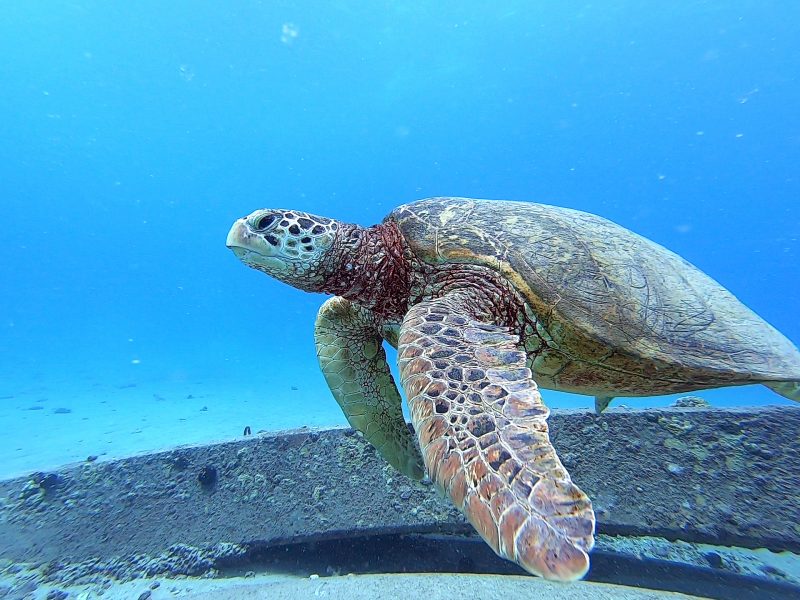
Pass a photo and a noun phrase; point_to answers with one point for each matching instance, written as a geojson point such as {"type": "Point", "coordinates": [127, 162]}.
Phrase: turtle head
{"type": "Point", "coordinates": [287, 244]}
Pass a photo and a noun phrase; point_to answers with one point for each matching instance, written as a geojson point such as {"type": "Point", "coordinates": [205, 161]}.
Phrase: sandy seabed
{"type": "Point", "coordinates": [56, 421]}
{"type": "Point", "coordinates": [46, 428]}
{"type": "Point", "coordinates": [355, 587]}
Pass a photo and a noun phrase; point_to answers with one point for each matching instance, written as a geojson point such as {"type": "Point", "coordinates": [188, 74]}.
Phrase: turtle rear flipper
{"type": "Point", "coordinates": [482, 429]}
{"type": "Point", "coordinates": [787, 389]}
{"type": "Point", "coordinates": [352, 359]}
{"type": "Point", "coordinates": [601, 403]}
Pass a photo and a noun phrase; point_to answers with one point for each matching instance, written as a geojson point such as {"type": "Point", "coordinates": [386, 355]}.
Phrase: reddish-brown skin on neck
{"type": "Point", "coordinates": [375, 267]}
{"type": "Point", "coordinates": [368, 266]}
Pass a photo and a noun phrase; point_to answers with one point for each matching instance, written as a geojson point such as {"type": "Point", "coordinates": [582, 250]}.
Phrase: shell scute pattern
{"type": "Point", "coordinates": [602, 305]}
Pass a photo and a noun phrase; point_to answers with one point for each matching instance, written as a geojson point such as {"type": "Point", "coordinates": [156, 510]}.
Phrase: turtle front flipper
{"type": "Point", "coordinates": [483, 433]}
{"type": "Point", "coordinates": [352, 359]}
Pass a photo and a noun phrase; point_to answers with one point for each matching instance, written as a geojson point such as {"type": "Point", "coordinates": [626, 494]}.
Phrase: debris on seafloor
{"type": "Point", "coordinates": [691, 402]}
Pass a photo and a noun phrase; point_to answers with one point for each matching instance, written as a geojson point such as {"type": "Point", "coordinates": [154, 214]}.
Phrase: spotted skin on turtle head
{"type": "Point", "coordinates": [287, 244]}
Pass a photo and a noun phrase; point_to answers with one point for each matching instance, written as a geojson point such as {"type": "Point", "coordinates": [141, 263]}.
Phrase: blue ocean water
{"type": "Point", "coordinates": [134, 134]}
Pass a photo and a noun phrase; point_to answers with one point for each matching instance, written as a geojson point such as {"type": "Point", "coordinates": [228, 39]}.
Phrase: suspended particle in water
{"type": "Point", "coordinates": [186, 72]}
{"type": "Point", "coordinates": [289, 33]}
{"type": "Point", "coordinates": [743, 99]}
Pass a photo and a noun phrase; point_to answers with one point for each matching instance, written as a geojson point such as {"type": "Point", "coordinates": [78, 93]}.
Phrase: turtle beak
{"type": "Point", "coordinates": [252, 249]}
{"type": "Point", "coordinates": [240, 239]}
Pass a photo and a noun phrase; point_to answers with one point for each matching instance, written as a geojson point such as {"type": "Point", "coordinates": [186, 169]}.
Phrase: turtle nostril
{"type": "Point", "coordinates": [265, 222]}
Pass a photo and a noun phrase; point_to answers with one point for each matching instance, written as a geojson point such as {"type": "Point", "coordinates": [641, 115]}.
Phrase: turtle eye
{"type": "Point", "coordinates": [265, 222]}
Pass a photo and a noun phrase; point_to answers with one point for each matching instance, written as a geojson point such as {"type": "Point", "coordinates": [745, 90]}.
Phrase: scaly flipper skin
{"type": "Point", "coordinates": [482, 429]}
{"type": "Point", "coordinates": [352, 359]}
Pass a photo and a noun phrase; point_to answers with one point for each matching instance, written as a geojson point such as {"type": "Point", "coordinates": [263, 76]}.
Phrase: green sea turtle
{"type": "Point", "coordinates": [484, 300]}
